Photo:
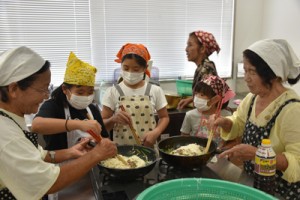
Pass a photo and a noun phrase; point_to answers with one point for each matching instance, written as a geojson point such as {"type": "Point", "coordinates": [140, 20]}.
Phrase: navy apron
{"type": "Point", "coordinates": [253, 135]}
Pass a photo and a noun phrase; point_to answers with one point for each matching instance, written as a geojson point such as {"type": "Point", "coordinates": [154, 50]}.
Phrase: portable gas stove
{"type": "Point", "coordinates": [109, 188]}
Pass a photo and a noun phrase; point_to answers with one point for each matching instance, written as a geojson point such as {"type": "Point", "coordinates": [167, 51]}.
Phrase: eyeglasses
{"type": "Point", "coordinates": [45, 92]}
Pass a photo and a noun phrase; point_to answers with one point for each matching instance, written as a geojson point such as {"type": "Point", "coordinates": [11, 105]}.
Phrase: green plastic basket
{"type": "Point", "coordinates": [201, 188]}
{"type": "Point", "coordinates": [184, 87]}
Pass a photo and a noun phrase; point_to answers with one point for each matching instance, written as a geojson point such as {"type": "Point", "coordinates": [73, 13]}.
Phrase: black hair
{"type": "Point", "coordinates": [59, 96]}
{"type": "Point", "coordinates": [262, 68]}
{"type": "Point", "coordinates": [206, 90]}
{"type": "Point", "coordinates": [24, 83]}
{"type": "Point", "coordinates": [141, 61]}
{"type": "Point", "coordinates": [192, 34]}
{"type": "Point", "coordinates": [294, 80]}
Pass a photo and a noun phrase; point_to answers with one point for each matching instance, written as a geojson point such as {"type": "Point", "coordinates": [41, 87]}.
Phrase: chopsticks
{"type": "Point", "coordinates": [98, 138]}
{"type": "Point", "coordinates": [135, 135]}
{"type": "Point", "coordinates": [213, 130]}
{"type": "Point", "coordinates": [211, 134]}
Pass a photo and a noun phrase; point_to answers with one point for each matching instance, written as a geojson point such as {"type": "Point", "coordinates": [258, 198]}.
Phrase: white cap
{"type": "Point", "coordinates": [18, 63]}
{"type": "Point", "coordinates": [280, 57]}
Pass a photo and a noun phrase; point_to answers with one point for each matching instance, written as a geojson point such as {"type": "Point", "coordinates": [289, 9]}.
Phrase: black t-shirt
{"type": "Point", "coordinates": [50, 109]}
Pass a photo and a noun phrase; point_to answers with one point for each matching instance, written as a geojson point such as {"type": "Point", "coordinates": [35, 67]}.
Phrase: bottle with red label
{"type": "Point", "coordinates": [265, 168]}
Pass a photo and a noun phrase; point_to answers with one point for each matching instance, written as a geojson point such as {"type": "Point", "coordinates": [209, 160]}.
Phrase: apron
{"type": "Point", "coordinates": [74, 136]}
{"type": "Point", "coordinates": [253, 136]}
{"type": "Point", "coordinates": [202, 130]}
{"type": "Point", "coordinates": [142, 116]}
{"type": "Point", "coordinates": [32, 137]}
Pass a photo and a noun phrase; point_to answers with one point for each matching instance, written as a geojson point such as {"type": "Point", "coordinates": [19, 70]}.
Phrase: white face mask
{"type": "Point", "coordinates": [201, 104]}
{"type": "Point", "coordinates": [132, 78]}
{"type": "Point", "coordinates": [80, 102]}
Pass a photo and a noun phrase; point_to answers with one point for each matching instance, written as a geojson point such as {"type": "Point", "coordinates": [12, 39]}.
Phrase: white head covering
{"type": "Point", "coordinates": [280, 57]}
{"type": "Point", "coordinates": [18, 63]}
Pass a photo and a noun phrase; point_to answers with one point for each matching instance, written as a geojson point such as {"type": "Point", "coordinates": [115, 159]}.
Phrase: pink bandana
{"type": "Point", "coordinates": [209, 41]}
{"type": "Point", "coordinates": [219, 86]}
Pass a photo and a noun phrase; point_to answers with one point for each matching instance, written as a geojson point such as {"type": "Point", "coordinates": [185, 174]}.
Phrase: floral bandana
{"type": "Point", "coordinates": [79, 72]}
{"type": "Point", "coordinates": [219, 86]}
{"type": "Point", "coordinates": [209, 41]}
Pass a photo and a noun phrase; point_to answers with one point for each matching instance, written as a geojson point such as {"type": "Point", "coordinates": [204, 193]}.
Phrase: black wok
{"type": "Point", "coordinates": [143, 152]}
{"type": "Point", "coordinates": [175, 142]}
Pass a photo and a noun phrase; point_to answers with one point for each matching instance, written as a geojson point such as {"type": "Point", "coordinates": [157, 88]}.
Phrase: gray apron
{"type": "Point", "coordinates": [142, 115]}
{"type": "Point", "coordinates": [253, 136]}
{"type": "Point", "coordinates": [32, 137]}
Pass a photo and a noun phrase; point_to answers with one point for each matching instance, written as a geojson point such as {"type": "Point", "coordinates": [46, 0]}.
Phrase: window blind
{"type": "Point", "coordinates": [95, 30]}
{"type": "Point", "coordinates": [163, 26]}
{"type": "Point", "coordinates": [52, 28]}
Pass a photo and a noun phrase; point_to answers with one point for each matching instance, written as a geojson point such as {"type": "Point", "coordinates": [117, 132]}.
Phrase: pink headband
{"type": "Point", "coordinates": [219, 86]}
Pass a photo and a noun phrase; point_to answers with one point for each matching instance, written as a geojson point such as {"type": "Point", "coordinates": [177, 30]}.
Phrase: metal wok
{"type": "Point", "coordinates": [172, 143]}
{"type": "Point", "coordinates": [145, 153]}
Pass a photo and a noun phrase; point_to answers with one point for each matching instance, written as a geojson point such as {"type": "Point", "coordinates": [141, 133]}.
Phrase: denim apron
{"type": "Point", "coordinates": [142, 115]}
{"type": "Point", "coordinates": [32, 137]}
{"type": "Point", "coordinates": [253, 135]}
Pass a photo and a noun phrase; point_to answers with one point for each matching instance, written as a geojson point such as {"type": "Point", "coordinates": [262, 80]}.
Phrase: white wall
{"type": "Point", "coordinates": [281, 19]}
{"type": "Point", "coordinates": [260, 19]}
{"type": "Point", "coordinates": [248, 25]}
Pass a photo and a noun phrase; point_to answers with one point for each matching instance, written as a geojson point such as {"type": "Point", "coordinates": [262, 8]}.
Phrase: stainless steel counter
{"type": "Point", "coordinates": [78, 191]}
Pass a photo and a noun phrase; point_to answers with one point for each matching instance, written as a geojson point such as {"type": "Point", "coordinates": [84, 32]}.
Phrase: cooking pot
{"type": "Point", "coordinates": [145, 153]}
{"type": "Point", "coordinates": [172, 143]}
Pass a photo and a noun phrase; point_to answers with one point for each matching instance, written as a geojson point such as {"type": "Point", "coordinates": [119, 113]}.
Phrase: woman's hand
{"type": "Point", "coordinates": [80, 148]}
{"type": "Point", "coordinates": [105, 149]}
{"type": "Point", "coordinates": [184, 102]}
{"type": "Point", "coordinates": [222, 122]}
{"type": "Point", "coordinates": [242, 152]}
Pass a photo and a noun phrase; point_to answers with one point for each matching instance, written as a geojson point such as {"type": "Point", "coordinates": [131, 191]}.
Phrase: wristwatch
{"type": "Point", "coordinates": [52, 156]}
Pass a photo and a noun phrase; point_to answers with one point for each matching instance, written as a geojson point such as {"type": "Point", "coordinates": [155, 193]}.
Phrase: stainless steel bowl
{"type": "Point", "coordinates": [173, 100]}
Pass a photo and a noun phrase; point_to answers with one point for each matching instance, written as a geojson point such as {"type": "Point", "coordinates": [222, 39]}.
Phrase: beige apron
{"type": "Point", "coordinates": [142, 116]}
{"type": "Point", "coordinates": [74, 136]}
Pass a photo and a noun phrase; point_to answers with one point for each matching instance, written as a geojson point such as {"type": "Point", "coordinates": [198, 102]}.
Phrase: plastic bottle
{"type": "Point", "coordinates": [265, 168]}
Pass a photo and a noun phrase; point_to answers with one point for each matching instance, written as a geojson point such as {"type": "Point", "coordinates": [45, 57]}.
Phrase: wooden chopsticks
{"type": "Point", "coordinates": [135, 135]}
{"type": "Point", "coordinates": [98, 138]}
{"type": "Point", "coordinates": [213, 129]}
{"type": "Point", "coordinates": [211, 134]}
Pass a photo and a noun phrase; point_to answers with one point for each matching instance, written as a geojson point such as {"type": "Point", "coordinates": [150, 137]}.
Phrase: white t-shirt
{"type": "Point", "coordinates": [194, 122]}
{"type": "Point", "coordinates": [22, 167]}
{"type": "Point", "coordinates": [157, 96]}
